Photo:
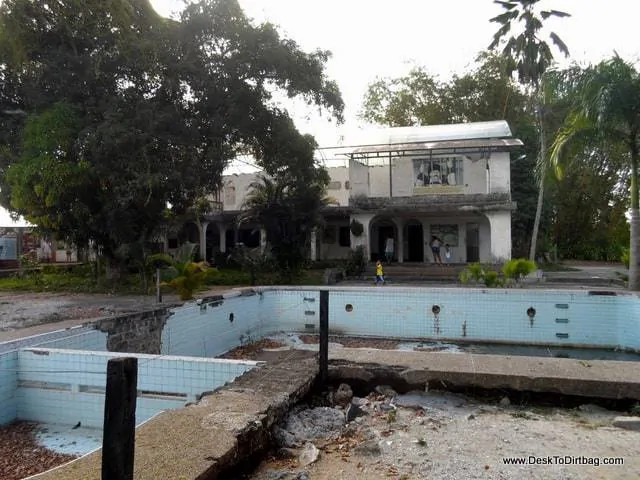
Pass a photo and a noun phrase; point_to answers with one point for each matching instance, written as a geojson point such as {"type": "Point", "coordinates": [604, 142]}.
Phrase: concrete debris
{"type": "Point", "coordinates": [343, 395]}
{"type": "Point", "coordinates": [309, 454]}
{"type": "Point", "coordinates": [308, 425]}
{"type": "Point", "coordinates": [385, 390]}
{"type": "Point", "coordinates": [591, 408]}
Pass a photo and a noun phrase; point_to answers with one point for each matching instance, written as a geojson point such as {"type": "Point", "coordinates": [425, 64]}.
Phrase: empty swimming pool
{"type": "Point", "coordinates": [32, 370]}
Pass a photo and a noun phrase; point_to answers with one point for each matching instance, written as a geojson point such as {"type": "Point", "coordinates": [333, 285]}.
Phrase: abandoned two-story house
{"type": "Point", "coordinates": [409, 184]}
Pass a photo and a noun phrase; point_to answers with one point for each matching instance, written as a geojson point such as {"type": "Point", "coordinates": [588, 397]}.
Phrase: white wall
{"type": "Point", "coordinates": [358, 178]}
{"type": "Point", "coordinates": [500, 172]}
{"type": "Point", "coordinates": [235, 189]}
{"type": "Point", "coordinates": [500, 226]}
{"type": "Point", "coordinates": [339, 175]}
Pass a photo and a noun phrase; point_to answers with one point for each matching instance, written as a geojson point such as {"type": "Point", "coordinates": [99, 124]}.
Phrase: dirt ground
{"type": "Point", "coordinates": [453, 437]}
{"type": "Point", "coordinates": [24, 314]}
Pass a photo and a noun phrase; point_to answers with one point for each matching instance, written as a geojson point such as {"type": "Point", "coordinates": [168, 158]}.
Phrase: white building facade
{"type": "Point", "coordinates": [409, 184]}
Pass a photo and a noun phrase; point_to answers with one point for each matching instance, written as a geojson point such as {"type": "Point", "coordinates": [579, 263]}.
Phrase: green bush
{"type": "Point", "coordinates": [492, 279]}
{"type": "Point", "coordinates": [474, 272]}
{"type": "Point", "coordinates": [624, 257]}
{"type": "Point", "coordinates": [479, 274]}
{"type": "Point", "coordinates": [518, 268]}
{"type": "Point", "coordinates": [356, 262]}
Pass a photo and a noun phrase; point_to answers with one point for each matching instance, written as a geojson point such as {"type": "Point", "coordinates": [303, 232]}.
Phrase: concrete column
{"type": "Point", "coordinates": [400, 241]}
{"type": "Point", "coordinates": [314, 244]}
{"type": "Point", "coordinates": [263, 240]}
{"type": "Point", "coordinates": [426, 238]}
{"type": "Point", "coordinates": [203, 239]}
{"type": "Point", "coordinates": [500, 235]}
{"type": "Point", "coordinates": [222, 231]}
{"type": "Point", "coordinates": [364, 239]}
{"type": "Point", "coordinates": [165, 242]}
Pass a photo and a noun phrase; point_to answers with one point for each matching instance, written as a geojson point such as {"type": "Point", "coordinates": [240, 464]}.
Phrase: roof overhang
{"type": "Point", "coordinates": [437, 148]}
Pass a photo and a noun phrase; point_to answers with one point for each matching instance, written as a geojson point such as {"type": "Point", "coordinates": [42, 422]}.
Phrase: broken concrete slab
{"type": "Point", "coordinates": [628, 423]}
{"type": "Point", "coordinates": [409, 370]}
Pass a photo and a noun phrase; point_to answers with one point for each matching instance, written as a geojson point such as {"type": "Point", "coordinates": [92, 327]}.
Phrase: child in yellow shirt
{"type": "Point", "coordinates": [379, 273]}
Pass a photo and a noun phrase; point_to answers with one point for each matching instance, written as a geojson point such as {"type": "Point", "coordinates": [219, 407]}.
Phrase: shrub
{"type": "Point", "coordinates": [518, 268]}
{"type": "Point", "coordinates": [356, 262]}
{"type": "Point", "coordinates": [492, 279]}
{"type": "Point", "coordinates": [473, 273]}
{"type": "Point", "coordinates": [624, 257]}
{"type": "Point", "coordinates": [186, 275]}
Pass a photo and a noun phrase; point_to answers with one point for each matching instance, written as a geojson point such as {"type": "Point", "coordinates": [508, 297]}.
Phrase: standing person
{"type": "Point", "coordinates": [435, 244]}
{"type": "Point", "coordinates": [388, 249]}
{"type": "Point", "coordinates": [379, 273]}
{"type": "Point", "coordinates": [447, 254]}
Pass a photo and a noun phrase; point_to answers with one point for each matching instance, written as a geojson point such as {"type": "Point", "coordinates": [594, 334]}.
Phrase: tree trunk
{"type": "Point", "coordinates": [542, 165]}
{"type": "Point", "coordinates": [634, 246]}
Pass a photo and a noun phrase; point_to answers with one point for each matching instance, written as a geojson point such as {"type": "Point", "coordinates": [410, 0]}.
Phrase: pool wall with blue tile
{"type": "Point", "coordinates": [213, 326]}
{"type": "Point", "coordinates": [67, 386]}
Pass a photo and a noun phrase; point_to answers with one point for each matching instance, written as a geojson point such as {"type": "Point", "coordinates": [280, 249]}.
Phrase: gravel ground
{"type": "Point", "coordinates": [21, 455]}
{"type": "Point", "coordinates": [445, 436]}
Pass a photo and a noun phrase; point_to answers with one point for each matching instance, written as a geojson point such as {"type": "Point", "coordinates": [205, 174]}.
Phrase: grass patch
{"type": "Point", "coordinates": [556, 267]}
{"type": "Point", "coordinates": [70, 282]}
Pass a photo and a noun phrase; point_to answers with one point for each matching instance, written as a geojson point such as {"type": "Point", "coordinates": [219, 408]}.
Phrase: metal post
{"type": "Point", "coordinates": [324, 336]}
{"type": "Point", "coordinates": [119, 419]}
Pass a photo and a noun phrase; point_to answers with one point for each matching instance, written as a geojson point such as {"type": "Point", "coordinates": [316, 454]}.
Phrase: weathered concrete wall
{"type": "Point", "coordinates": [135, 333]}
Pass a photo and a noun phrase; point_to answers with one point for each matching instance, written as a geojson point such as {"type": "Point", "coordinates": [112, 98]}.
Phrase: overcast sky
{"type": "Point", "coordinates": [382, 38]}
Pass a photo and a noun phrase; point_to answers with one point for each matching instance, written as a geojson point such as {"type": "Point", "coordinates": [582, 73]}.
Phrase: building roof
{"type": "Point", "coordinates": [445, 146]}
{"type": "Point", "coordinates": [430, 133]}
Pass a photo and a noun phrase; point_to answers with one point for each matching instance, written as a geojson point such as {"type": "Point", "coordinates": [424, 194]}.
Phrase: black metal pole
{"type": "Point", "coordinates": [324, 335]}
{"type": "Point", "coordinates": [119, 419]}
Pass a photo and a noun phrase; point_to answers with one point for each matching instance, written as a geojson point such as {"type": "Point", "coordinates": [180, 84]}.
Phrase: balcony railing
{"type": "Point", "coordinates": [458, 202]}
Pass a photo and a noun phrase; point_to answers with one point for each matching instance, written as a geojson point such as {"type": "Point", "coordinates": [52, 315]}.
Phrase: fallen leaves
{"type": "Point", "coordinates": [20, 454]}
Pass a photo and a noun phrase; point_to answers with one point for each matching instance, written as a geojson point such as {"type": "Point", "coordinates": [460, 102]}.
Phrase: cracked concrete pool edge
{"type": "Point", "coordinates": [605, 379]}
{"type": "Point", "coordinates": [204, 440]}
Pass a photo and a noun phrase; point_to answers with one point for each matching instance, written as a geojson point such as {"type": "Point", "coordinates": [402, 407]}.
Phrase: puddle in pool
{"type": "Point", "coordinates": [291, 340]}
{"type": "Point", "coordinates": [67, 440]}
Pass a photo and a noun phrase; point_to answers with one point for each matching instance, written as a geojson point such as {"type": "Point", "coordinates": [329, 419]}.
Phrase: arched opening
{"type": "Point", "coordinates": [213, 242]}
{"type": "Point", "coordinates": [414, 238]}
{"type": "Point", "coordinates": [381, 229]}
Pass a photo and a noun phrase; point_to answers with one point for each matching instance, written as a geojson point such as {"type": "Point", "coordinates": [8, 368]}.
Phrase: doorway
{"type": "Point", "coordinates": [384, 232]}
{"type": "Point", "coordinates": [473, 242]}
{"type": "Point", "coordinates": [415, 242]}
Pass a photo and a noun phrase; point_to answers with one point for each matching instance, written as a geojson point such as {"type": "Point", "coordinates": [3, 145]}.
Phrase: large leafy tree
{"type": "Point", "coordinates": [607, 111]}
{"type": "Point", "coordinates": [487, 92]}
{"type": "Point", "coordinates": [530, 57]}
{"type": "Point", "coordinates": [110, 111]}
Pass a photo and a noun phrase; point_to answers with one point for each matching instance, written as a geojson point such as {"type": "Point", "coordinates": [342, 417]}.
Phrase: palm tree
{"type": "Point", "coordinates": [530, 57]}
{"type": "Point", "coordinates": [607, 107]}
{"type": "Point", "coordinates": [288, 209]}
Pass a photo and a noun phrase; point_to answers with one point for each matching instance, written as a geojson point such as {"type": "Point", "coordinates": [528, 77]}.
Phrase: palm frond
{"type": "Point", "coordinates": [553, 13]}
{"type": "Point", "coordinates": [557, 41]}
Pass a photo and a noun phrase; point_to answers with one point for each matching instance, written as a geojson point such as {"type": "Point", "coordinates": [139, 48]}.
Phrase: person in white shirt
{"type": "Point", "coordinates": [388, 249]}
